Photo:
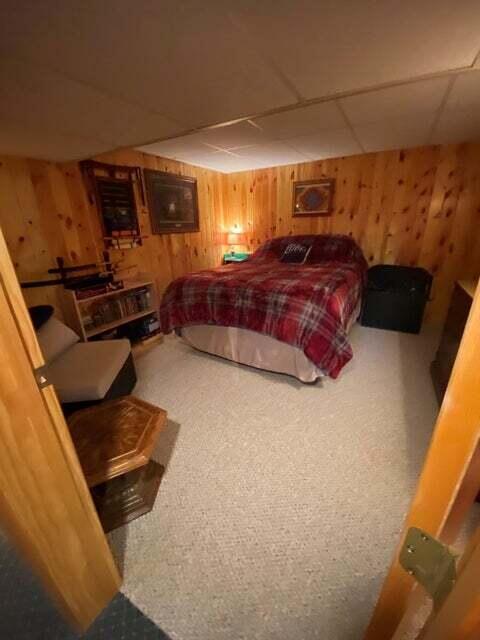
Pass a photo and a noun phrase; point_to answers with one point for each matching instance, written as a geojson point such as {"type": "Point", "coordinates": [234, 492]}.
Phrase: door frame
{"type": "Point", "coordinates": [445, 493]}
{"type": "Point", "coordinates": [45, 505]}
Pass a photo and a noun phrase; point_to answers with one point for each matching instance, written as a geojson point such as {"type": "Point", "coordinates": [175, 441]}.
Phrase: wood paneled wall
{"type": "Point", "coordinates": [414, 207]}
{"type": "Point", "coordinates": [45, 213]}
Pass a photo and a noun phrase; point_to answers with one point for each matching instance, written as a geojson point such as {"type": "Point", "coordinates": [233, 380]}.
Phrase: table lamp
{"type": "Point", "coordinates": [235, 238]}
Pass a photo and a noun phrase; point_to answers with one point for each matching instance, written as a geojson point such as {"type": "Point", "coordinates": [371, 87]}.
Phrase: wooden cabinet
{"type": "Point", "coordinates": [441, 367]}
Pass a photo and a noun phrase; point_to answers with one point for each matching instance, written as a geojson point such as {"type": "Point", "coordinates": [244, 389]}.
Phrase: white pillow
{"type": "Point", "coordinates": [54, 338]}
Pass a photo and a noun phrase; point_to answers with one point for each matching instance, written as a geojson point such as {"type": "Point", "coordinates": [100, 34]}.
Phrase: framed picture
{"type": "Point", "coordinates": [313, 197]}
{"type": "Point", "coordinates": [172, 201]}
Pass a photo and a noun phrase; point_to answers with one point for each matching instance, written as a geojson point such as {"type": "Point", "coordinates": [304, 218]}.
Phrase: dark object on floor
{"type": "Point", "coordinates": [139, 329]}
{"type": "Point", "coordinates": [127, 497]}
{"type": "Point", "coordinates": [395, 298]}
{"type": "Point", "coordinates": [26, 613]}
{"type": "Point", "coordinates": [458, 311]}
{"type": "Point", "coordinates": [123, 384]}
{"type": "Point", "coordinates": [40, 314]}
{"type": "Point", "coordinates": [114, 441]}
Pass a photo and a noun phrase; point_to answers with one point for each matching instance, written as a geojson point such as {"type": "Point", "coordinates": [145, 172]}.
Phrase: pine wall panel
{"type": "Point", "coordinates": [45, 213]}
{"type": "Point", "coordinates": [413, 207]}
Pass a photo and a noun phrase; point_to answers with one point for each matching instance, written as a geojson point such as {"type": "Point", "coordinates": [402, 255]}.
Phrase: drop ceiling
{"type": "Point", "coordinates": [233, 85]}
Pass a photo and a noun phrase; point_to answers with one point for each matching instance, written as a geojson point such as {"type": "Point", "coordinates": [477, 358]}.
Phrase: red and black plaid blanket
{"type": "Point", "coordinates": [309, 306]}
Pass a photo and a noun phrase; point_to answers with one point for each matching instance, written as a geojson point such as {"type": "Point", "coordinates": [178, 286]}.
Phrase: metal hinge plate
{"type": "Point", "coordinates": [430, 562]}
{"type": "Point", "coordinates": [41, 376]}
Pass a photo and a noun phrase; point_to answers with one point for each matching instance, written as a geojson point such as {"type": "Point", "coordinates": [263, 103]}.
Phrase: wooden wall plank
{"type": "Point", "coordinates": [45, 212]}
{"type": "Point", "coordinates": [417, 207]}
{"type": "Point", "coordinates": [413, 207]}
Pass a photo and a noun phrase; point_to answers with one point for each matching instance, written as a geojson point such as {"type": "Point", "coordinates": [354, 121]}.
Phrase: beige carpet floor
{"type": "Point", "coordinates": [282, 503]}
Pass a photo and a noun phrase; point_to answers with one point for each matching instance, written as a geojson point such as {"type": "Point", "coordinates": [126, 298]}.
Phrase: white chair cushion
{"type": "Point", "coordinates": [54, 338]}
{"type": "Point", "coordinates": [86, 370]}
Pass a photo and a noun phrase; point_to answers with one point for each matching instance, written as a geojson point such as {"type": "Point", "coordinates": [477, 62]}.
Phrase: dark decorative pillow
{"type": "Point", "coordinates": [40, 314]}
{"type": "Point", "coordinates": [295, 253]}
{"type": "Point", "coordinates": [325, 248]}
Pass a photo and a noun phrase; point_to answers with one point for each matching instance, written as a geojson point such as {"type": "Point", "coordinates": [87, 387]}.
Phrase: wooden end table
{"type": "Point", "coordinates": [114, 441]}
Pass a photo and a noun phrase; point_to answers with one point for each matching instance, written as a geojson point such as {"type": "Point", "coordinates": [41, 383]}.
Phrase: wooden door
{"type": "Point", "coordinates": [45, 505]}
{"type": "Point", "coordinates": [448, 484]}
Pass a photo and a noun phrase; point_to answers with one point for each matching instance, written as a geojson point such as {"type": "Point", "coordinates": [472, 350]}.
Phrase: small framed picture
{"type": "Point", "coordinates": [173, 202]}
{"type": "Point", "coordinates": [313, 197]}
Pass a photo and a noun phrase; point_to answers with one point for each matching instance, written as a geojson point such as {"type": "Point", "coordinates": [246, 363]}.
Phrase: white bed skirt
{"type": "Point", "coordinates": [252, 348]}
{"type": "Point", "coordinates": [255, 349]}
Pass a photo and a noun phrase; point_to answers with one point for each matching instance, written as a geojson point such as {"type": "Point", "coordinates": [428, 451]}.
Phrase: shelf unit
{"type": "Point", "coordinates": [78, 311]}
{"type": "Point", "coordinates": [117, 323]}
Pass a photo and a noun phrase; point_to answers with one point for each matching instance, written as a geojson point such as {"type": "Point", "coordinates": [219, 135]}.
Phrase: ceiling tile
{"type": "Point", "coordinates": [202, 159]}
{"type": "Point", "coordinates": [465, 91]}
{"type": "Point", "coordinates": [460, 119]}
{"type": "Point", "coordinates": [18, 140]}
{"type": "Point", "coordinates": [399, 133]}
{"type": "Point", "coordinates": [181, 59]}
{"type": "Point", "coordinates": [44, 100]}
{"type": "Point", "coordinates": [329, 47]}
{"type": "Point", "coordinates": [328, 144]}
{"type": "Point", "coordinates": [272, 154]}
{"type": "Point", "coordinates": [228, 163]}
{"type": "Point", "coordinates": [241, 134]}
{"type": "Point", "coordinates": [121, 75]}
{"type": "Point", "coordinates": [408, 100]}
{"type": "Point", "coordinates": [177, 148]}
{"type": "Point", "coordinates": [146, 127]}
{"type": "Point", "coordinates": [302, 121]}
{"type": "Point", "coordinates": [462, 125]}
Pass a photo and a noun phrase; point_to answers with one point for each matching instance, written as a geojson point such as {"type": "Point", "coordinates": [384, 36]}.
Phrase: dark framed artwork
{"type": "Point", "coordinates": [313, 197]}
{"type": "Point", "coordinates": [172, 201]}
{"type": "Point", "coordinates": [117, 205]}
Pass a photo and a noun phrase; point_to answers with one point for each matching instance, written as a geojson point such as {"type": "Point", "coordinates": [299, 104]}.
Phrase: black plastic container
{"type": "Point", "coordinates": [395, 298]}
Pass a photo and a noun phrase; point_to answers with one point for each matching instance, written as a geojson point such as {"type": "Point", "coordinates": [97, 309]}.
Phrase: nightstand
{"type": "Point", "coordinates": [229, 258]}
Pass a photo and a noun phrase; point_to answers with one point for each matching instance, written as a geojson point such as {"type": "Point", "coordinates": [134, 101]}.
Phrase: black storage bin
{"type": "Point", "coordinates": [395, 298]}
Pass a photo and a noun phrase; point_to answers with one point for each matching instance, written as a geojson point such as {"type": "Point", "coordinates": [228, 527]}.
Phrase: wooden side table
{"type": "Point", "coordinates": [233, 258]}
{"type": "Point", "coordinates": [114, 441]}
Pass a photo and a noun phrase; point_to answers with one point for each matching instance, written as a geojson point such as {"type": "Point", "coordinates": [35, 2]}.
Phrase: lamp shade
{"type": "Point", "coordinates": [236, 238]}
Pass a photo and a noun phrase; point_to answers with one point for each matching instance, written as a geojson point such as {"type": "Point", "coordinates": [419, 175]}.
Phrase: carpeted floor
{"type": "Point", "coordinates": [282, 502]}
{"type": "Point", "coordinates": [27, 613]}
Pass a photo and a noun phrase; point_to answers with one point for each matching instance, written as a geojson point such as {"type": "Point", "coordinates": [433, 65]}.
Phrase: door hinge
{"type": "Point", "coordinates": [41, 376]}
{"type": "Point", "coordinates": [430, 562]}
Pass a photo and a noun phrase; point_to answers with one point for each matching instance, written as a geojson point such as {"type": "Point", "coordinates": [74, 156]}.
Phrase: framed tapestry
{"type": "Point", "coordinates": [313, 197]}
{"type": "Point", "coordinates": [172, 201]}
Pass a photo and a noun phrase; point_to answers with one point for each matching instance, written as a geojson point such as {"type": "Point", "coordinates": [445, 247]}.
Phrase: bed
{"type": "Point", "coordinates": [274, 315]}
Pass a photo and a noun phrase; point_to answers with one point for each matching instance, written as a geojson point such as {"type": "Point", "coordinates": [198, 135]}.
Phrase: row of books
{"type": "Point", "coordinates": [106, 311]}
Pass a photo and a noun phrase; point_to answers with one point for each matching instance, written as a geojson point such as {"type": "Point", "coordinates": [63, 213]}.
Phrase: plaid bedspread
{"type": "Point", "coordinates": [307, 306]}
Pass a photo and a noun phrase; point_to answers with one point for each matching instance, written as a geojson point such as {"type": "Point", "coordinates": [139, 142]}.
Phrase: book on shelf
{"type": "Point", "coordinates": [106, 311]}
